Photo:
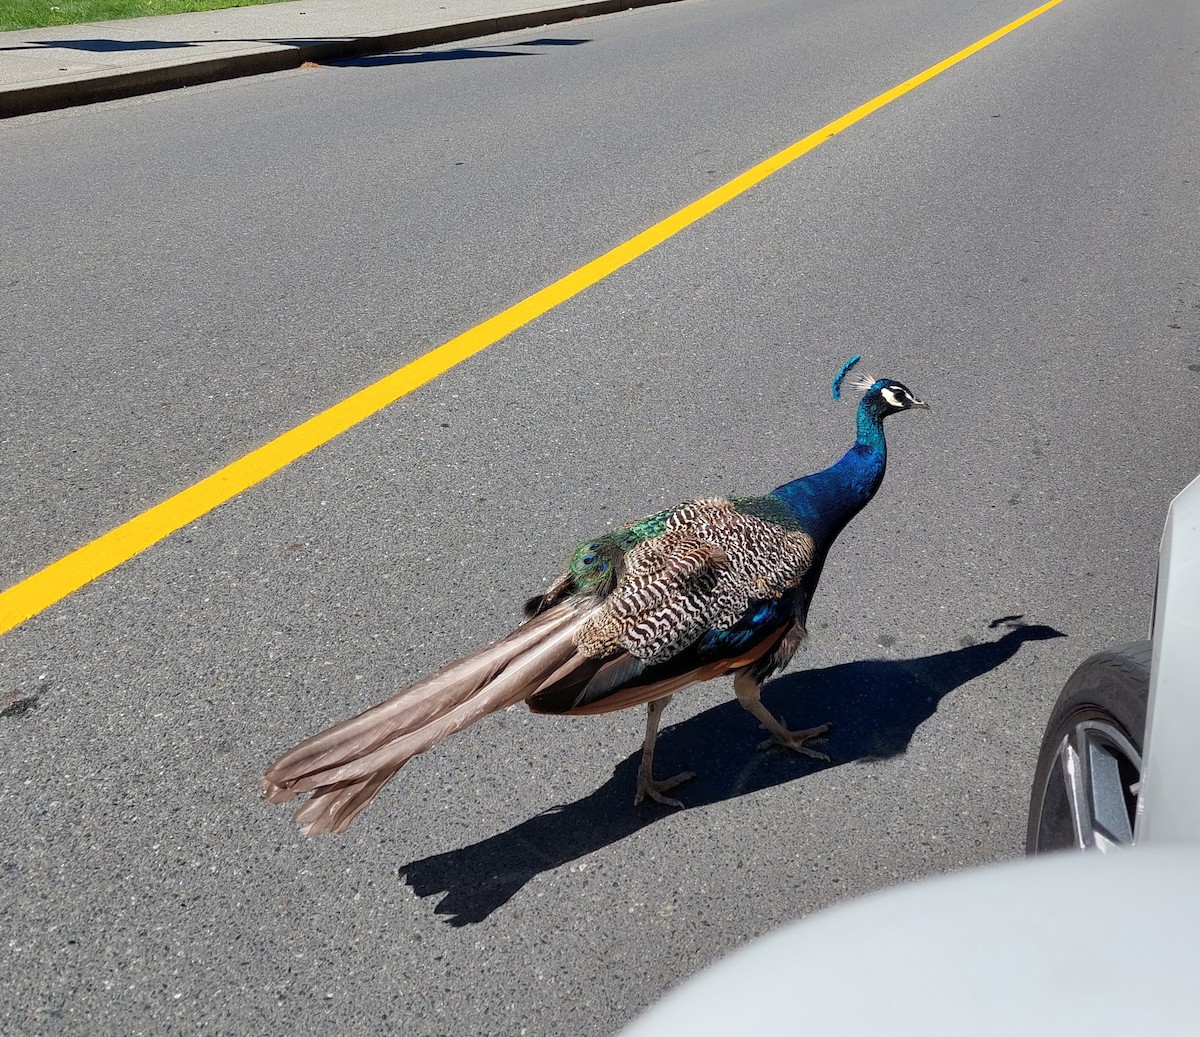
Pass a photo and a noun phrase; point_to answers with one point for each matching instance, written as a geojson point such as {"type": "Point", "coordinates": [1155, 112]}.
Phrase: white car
{"type": "Point", "coordinates": [1118, 764]}
{"type": "Point", "coordinates": [1103, 943]}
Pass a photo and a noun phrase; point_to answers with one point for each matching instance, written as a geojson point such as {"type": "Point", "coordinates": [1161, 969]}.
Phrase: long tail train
{"type": "Point", "coordinates": [345, 766]}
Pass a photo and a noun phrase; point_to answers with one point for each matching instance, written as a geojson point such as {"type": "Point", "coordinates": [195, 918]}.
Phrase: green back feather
{"type": "Point", "coordinates": [596, 565]}
{"type": "Point", "coordinates": [769, 508]}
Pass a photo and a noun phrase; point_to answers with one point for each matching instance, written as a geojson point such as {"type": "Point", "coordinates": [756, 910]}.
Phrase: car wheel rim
{"type": "Point", "coordinates": [1099, 769]}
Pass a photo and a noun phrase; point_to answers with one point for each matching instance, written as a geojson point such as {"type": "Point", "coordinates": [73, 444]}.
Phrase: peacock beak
{"type": "Point", "coordinates": [920, 405]}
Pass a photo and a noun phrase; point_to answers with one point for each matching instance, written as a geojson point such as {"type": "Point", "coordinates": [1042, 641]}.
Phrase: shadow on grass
{"type": "Point", "coordinates": [875, 706]}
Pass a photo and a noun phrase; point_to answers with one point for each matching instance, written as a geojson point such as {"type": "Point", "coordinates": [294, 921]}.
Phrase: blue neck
{"type": "Point", "coordinates": [870, 433]}
{"type": "Point", "coordinates": [826, 501]}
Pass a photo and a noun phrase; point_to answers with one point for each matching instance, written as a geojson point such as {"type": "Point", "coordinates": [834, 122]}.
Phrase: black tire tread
{"type": "Point", "coordinates": [1114, 683]}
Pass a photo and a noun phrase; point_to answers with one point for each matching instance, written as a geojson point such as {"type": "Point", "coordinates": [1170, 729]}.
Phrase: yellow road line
{"type": "Point", "coordinates": [81, 566]}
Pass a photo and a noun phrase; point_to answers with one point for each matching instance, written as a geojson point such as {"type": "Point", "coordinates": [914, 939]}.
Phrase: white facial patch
{"type": "Point", "coordinates": [892, 398]}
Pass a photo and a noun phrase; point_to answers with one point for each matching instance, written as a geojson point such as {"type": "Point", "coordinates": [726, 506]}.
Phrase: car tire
{"type": "Point", "coordinates": [1085, 786]}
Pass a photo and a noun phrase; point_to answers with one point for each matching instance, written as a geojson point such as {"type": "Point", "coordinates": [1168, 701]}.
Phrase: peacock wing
{"type": "Point", "coordinates": [700, 574]}
{"type": "Point", "coordinates": [698, 577]}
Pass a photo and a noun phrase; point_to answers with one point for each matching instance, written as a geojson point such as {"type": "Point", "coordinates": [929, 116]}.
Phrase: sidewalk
{"type": "Point", "coordinates": [44, 69]}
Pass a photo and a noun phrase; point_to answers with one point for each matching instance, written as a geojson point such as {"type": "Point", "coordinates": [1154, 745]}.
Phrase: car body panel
{"type": "Point", "coordinates": [1066, 943]}
{"type": "Point", "coordinates": [1168, 809]}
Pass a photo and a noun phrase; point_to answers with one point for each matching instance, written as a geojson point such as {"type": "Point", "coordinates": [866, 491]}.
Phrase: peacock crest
{"type": "Point", "coordinates": [860, 382]}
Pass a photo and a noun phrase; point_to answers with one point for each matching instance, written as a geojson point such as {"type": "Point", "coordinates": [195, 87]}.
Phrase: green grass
{"type": "Point", "coordinates": [34, 14]}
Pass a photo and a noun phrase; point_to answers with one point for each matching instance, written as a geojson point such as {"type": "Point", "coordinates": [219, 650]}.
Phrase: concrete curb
{"type": "Point", "coordinates": [53, 96]}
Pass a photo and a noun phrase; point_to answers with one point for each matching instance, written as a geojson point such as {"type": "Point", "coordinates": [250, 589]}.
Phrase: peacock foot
{"type": "Point", "coordinates": [647, 786]}
{"type": "Point", "coordinates": [795, 740]}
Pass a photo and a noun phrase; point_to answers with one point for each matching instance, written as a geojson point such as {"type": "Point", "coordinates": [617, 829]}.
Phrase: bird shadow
{"type": "Point", "coordinates": [875, 705]}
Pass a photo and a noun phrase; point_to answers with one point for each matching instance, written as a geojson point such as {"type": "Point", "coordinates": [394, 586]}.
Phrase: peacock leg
{"type": "Point", "coordinates": [748, 693]}
{"type": "Point", "coordinates": [647, 786]}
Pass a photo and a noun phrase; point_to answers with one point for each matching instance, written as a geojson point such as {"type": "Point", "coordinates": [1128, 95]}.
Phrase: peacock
{"type": "Point", "coordinates": [713, 586]}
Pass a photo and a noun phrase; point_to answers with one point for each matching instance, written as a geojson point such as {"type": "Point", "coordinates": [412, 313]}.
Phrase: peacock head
{"type": "Point", "coordinates": [881, 396]}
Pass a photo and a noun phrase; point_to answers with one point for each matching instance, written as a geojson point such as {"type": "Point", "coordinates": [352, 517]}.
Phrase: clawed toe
{"type": "Point", "coordinates": [795, 740]}
{"type": "Point", "coordinates": [655, 789]}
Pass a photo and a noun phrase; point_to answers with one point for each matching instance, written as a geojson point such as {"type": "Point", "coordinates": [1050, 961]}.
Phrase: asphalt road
{"type": "Point", "coordinates": [187, 275]}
